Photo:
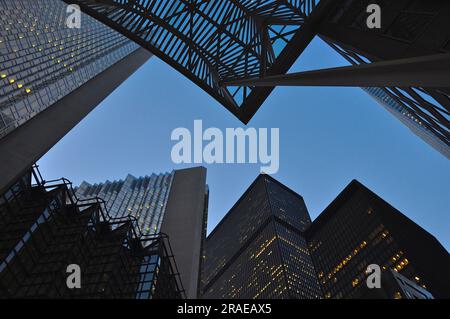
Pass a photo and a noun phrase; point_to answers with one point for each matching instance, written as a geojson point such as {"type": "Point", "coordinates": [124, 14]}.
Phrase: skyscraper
{"type": "Point", "coordinates": [408, 29]}
{"type": "Point", "coordinates": [46, 234]}
{"type": "Point", "coordinates": [267, 247]}
{"type": "Point", "coordinates": [51, 76]}
{"type": "Point", "coordinates": [145, 198]}
{"type": "Point", "coordinates": [408, 119]}
{"type": "Point", "coordinates": [258, 249]}
{"type": "Point", "coordinates": [174, 204]}
{"type": "Point", "coordinates": [358, 229]}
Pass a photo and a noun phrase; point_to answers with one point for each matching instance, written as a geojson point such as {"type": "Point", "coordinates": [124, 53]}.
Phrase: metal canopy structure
{"type": "Point", "coordinates": [211, 41]}
{"type": "Point", "coordinates": [427, 71]}
{"type": "Point", "coordinates": [239, 50]}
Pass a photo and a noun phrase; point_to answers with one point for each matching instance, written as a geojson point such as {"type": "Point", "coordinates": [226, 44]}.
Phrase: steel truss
{"type": "Point", "coordinates": [239, 50]}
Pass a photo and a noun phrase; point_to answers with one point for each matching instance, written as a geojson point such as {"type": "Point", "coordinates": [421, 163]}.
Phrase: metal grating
{"type": "Point", "coordinates": [214, 41]}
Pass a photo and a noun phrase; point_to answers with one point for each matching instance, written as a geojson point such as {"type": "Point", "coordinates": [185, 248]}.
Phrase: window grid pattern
{"type": "Point", "coordinates": [144, 198]}
{"type": "Point", "coordinates": [42, 60]}
{"type": "Point", "coordinates": [45, 230]}
{"type": "Point", "coordinates": [258, 250]}
{"type": "Point", "coordinates": [351, 240]}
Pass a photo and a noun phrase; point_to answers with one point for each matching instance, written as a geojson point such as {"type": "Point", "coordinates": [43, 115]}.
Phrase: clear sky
{"type": "Point", "coordinates": [328, 136]}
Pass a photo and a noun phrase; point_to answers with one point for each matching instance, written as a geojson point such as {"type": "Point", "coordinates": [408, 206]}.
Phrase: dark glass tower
{"type": "Point", "coordinates": [145, 198]}
{"type": "Point", "coordinates": [358, 229]}
{"type": "Point", "coordinates": [267, 247]}
{"type": "Point", "coordinates": [44, 229]}
{"type": "Point", "coordinates": [258, 250]}
{"type": "Point", "coordinates": [52, 76]}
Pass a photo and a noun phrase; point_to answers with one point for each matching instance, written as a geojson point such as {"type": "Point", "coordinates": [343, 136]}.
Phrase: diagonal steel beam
{"type": "Point", "coordinates": [427, 72]}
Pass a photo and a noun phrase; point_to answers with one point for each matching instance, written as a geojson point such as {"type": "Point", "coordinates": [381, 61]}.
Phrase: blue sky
{"type": "Point", "coordinates": [328, 136]}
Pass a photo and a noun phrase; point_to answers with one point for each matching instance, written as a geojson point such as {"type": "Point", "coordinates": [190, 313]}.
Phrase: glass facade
{"type": "Point", "coordinates": [145, 198]}
{"type": "Point", "coordinates": [409, 28]}
{"type": "Point", "coordinates": [359, 229]}
{"type": "Point", "coordinates": [408, 119]}
{"type": "Point", "coordinates": [44, 229]}
{"type": "Point", "coordinates": [267, 247]}
{"type": "Point", "coordinates": [42, 60]}
{"type": "Point", "coordinates": [258, 251]}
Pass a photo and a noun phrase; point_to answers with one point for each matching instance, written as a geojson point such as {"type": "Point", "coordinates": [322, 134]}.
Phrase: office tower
{"type": "Point", "coordinates": [359, 229]}
{"type": "Point", "coordinates": [52, 76]}
{"type": "Point", "coordinates": [258, 249]}
{"type": "Point", "coordinates": [173, 203]}
{"type": "Point", "coordinates": [408, 119]}
{"type": "Point", "coordinates": [267, 247]}
{"type": "Point", "coordinates": [45, 231]}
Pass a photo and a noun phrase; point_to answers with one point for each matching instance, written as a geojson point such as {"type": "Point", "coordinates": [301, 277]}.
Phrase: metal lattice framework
{"type": "Point", "coordinates": [239, 50]}
{"type": "Point", "coordinates": [44, 227]}
{"type": "Point", "coordinates": [215, 41]}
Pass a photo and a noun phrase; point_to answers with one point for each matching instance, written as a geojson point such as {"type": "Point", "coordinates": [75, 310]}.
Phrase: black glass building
{"type": "Point", "coordinates": [359, 229]}
{"type": "Point", "coordinates": [267, 247]}
{"type": "Point", "coordinates": [258, 250]}
{"type": "Point", "coordinates": [44, 229]}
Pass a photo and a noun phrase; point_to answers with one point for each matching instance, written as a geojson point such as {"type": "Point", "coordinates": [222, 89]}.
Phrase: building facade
{"type": "Point", "coordinates": [258, 250]}
{"type": "Point", "coordinates": [267, 247]}
{"type": "Point", "coordinates": [174, 204]}
{"type": "Point", "coordinates": [51, 76]}
{"type": "Point", "coordinates": [409, 120]}
{"type": "Point", "coordinates": [409, 28]}
{"type": "Point", "coordinates": [359, 229]}
{"type": "Point", "coordinates": [45, 232]}
{"type": "Point", "coordinates": [144, 198]}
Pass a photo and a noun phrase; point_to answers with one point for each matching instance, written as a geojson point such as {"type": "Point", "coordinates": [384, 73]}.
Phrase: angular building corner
{"type": "Point", "coordinates": [359, 228]}
{"type": "Point", "coordinates": [258, 250]}
{"type": "Point", "coordinates": [138, 238]}
{"type": "Point", "coordinates": [174, 204]}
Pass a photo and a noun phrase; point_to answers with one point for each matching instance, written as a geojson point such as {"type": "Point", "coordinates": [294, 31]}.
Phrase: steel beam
{"type": "Point", "coordinates": [426, 72]}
